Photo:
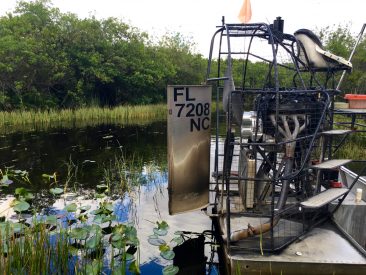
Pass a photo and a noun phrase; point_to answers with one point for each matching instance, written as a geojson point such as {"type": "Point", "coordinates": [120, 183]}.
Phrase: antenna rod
{"type": "Point", "coordinates": [351, 55]}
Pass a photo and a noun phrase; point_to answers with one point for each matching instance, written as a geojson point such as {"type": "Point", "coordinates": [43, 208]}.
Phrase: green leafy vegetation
{"type": "Point", "coordinates": [45, 244]}
{"type": "Point", "coordinates": [51, 60]}
{"type": "Point", "coordinates": [27, 120]}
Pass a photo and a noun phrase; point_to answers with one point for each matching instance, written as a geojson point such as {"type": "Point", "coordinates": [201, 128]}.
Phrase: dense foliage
{"type": "Point", "coordinates": [341, 42]}
{"type": "Point", "coordinates": [50, 59]}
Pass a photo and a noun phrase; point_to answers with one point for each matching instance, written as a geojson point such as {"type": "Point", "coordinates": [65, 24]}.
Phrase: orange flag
{"type": "Point", "coordinates": [245, 13]}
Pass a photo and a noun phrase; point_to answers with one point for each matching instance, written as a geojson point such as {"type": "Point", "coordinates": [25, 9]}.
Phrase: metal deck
{"type": "Point", "coordinates": [324, 197]}
{"type": "Point", "coordinates": [331, 164]}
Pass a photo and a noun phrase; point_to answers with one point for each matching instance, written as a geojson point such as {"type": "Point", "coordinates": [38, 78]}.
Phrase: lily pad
{"type": "Point", "coordinates": [178, 240]}
{"type": "Point", "coordinates": [84, 208]}
{"type": "Point", "coordinates": [20, 206]}
{"type": "Point", "coordinates": [71, 207]}
{"type": "Point", "coordinates": [93, 242]}
{"type": "Point", "coordinates": [94, 267]}
{"type": "Point", "coordinates": [160, 232]}
{"type": "Point", "coordinates": [129, 257]}
{"type": "Point", "coordinates": [56, 191]}
{"type": "Point", "coordinates": [52, 219]}
{"type": "Point", "coordinates": [23, 193]}
{"type": "Point", "coordinates": [170, 270]}
{"type": "Point", "coordinates": [156, 241]}
{"type": "Point", "coordinates": [167, 255]}
{"type": "Point", "coordinates": [79, 233]}
{"type": "Point", "coordinates": [163, 225]}
{"type": "Point", "coordinates": [5, 181]}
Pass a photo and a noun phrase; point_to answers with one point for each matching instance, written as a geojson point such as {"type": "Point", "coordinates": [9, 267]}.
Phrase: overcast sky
{"type": "Point", "coordinates": [198, 18]}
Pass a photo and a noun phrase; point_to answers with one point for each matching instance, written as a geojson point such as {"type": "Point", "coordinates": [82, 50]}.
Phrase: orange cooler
{"type": "Point", "coordinates": [356, 101]}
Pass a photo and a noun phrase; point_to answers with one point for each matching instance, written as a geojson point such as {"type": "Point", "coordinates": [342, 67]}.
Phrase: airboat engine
{"type": "Point", "coordinates": [275, 132]}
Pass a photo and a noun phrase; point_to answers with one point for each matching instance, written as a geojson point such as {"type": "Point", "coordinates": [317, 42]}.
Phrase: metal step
{"type": "Point", "coordinates": [336, 132]}
{"type": "Point", "coordinates": [331, 164]}
{"type": "Point", "coordinates": [324, 198]}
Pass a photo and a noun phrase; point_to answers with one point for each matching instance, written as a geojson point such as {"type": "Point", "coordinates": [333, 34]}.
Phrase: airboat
{"type": "Point", "coordinates": [265, 166]}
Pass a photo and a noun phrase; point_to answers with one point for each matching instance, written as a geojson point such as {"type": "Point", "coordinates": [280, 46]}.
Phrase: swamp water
{"type": "Point", "coordinates": [126, 165]}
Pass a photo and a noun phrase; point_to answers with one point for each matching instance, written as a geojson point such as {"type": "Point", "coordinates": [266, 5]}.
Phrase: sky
{"type": "Point", "coordinates": [197, 19]}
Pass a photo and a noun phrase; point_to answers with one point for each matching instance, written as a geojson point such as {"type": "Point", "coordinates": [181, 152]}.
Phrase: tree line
{"type": "Point", "coordinates": [50, 59]}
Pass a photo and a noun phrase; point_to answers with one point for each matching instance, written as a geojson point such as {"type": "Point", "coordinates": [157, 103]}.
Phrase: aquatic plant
{"type": "Point", "coordinates": [76, 240]}
{"type": "Point", "coordinates": [166, 251]}
{"type": "Point", "coordinates": [22, 120]}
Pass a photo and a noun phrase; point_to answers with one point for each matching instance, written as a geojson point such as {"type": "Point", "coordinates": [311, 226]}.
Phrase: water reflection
{"type": "Point", "coordinates": [82, 157]}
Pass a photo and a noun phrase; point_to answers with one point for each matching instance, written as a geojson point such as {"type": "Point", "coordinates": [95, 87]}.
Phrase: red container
{"type": "Point", "coordinates": [356, 101]}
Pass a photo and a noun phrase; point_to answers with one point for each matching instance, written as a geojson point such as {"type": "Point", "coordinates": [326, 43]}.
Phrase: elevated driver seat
{"type": "Point", "coordinates": [313, 56]}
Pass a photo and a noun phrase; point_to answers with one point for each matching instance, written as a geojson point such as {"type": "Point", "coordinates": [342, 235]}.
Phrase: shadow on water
{"type": "Point", "coordinates": [82, 159]}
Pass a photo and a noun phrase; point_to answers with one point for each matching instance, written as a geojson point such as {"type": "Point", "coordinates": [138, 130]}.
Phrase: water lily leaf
{"type": "Point", "coordinates": [79, 233]}
{"type": "Point", "coordinates": [108, 206]}
{"type": "Point", "coordinates": [94, 267]}
{"type": "Point", "coordinates": [20, 206]}
{"type": "Point", "coordinates": [22, 192]}
{"type": "Point", "coordinates": [164, 248]}
{"type": "Point", "coordinates": [170, 270]}
{"type": "Point", "coordinates": [167, 255]}
{"type": "Point", "coordinates": [129, 257]}
{"type": "Point", "coordinates": [83, 217]}
{"type": "Point", "coordinates": [117, 241]}
{"type": "Point", "coordinates": [156, 242]}
{"type": "Point", "coordinates": [6, 181]}
{"type": "Point", "coordinates": [84, 208]}
{"type": "Point", "coordinates": [93, 242]}
{"type": "Point", "coordinates": [134, 268]}
{"type": "Point", "coordinates": [116, 237]}
{"type": "Point", "coordinates": [178, 240]}
{"type": "Point", "coordinates": [71, 207]}
{"type": "Point", "coordinates": [119, 229]}
{"type": "Point", "coordinates": [17, 227]}
{"type": "Point", "coordinates": [52, 219]}
{"type": "Point", "coordinates": [160, 232]}
{"type": "Point", "coordinates": [56, 191]}
{"type": "Point", "coordinates": [28, 196]}
{"type": "Point", "coordinates": [163, 225]}
{"type": "Point", "coordinates": [98, 218]}
{"type": "Point", "coordinates": [131, 235]}
{"type": "Point", "coordinates": [93, 229]}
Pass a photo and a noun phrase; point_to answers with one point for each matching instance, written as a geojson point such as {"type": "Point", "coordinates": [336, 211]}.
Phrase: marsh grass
{"type": "Point", "coordinates": [33, 250]}
{"type": "Point", "coordinates": [354, 147]}
{"type": "Point", "coordinates": [355, 144]}
{"type": "Point", "coordinates": [88, 116]}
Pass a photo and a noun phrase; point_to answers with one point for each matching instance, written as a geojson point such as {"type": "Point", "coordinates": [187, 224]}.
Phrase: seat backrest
{"type": "Point", "coordinates": [307, 49]}
{"type": "Point", "coordinates": [313, 56]}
